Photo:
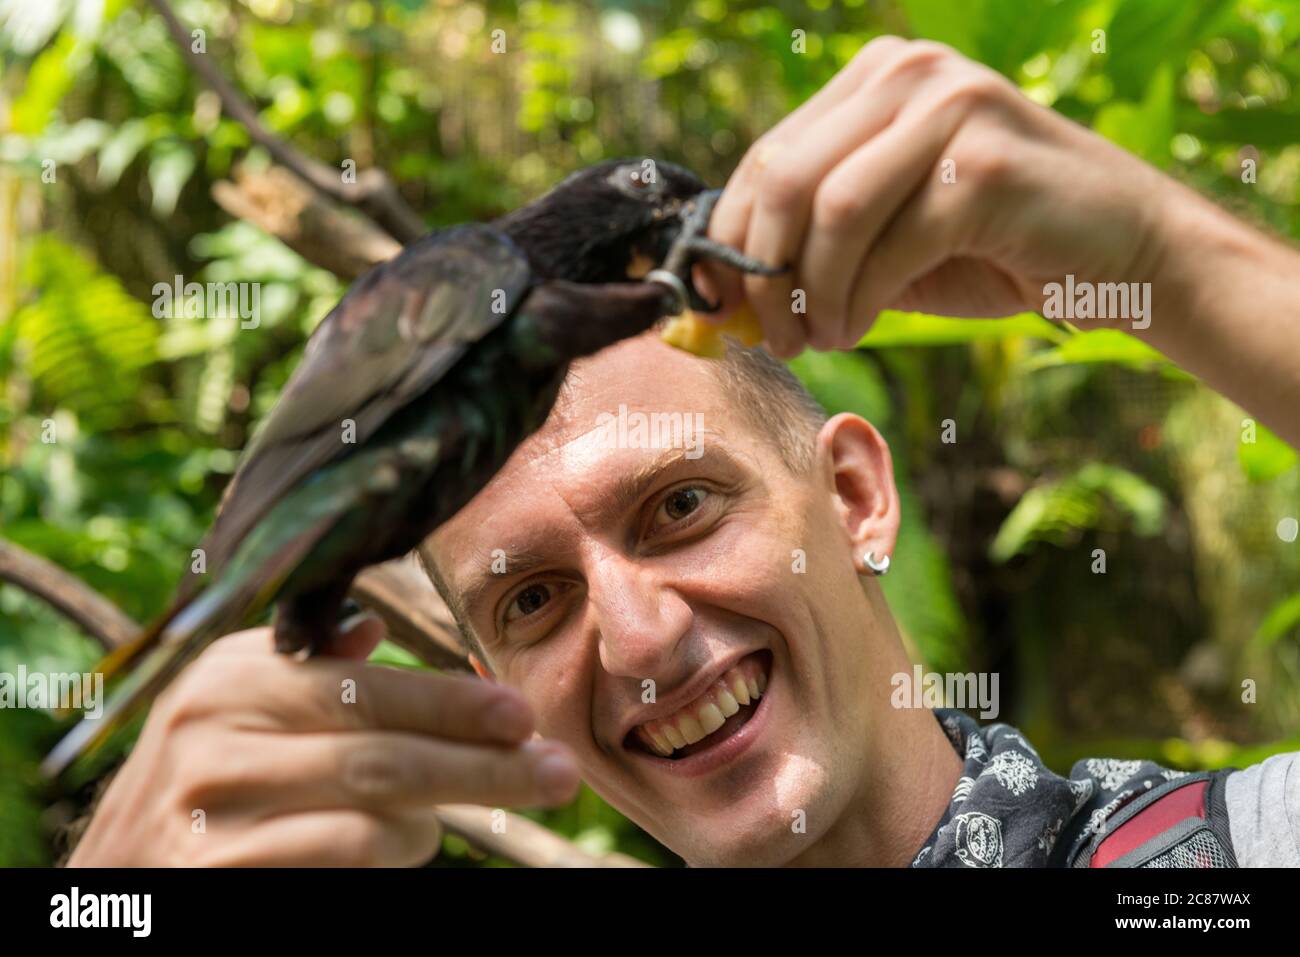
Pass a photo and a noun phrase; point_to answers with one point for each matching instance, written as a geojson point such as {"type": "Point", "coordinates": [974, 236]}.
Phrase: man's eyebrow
{"type": "Point", "coordinates": [484, 578]}
{"type": "Point", "coordinates": [630, 488]}
{"type": "Point", "coordinates": [626, 492]}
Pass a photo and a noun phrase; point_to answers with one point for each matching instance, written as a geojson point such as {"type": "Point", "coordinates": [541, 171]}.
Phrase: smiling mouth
{"type": "Point", "coordinates": [713, 717]}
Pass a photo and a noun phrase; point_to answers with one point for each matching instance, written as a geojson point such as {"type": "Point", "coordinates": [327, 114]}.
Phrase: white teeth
{"type": "Point", "coordinates": [660, 742]}
{"type": "Point", "coordinates": [690, 729]}
{"type": "Point", "coordinates": [741, 692]}
{"type": "Point", "coordinates": [740, 687]}
{"type": "Point", "coordinates": [727, 704]}
{"type": "Point", "coordinates": [711, 718]}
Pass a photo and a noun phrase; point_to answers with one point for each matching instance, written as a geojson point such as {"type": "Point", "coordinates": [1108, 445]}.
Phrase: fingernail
{"type": "Point", "coordinates": [557, 775]}
{"type": "Point", "coordinates": [357, 620]}
{"type": "Point", "coordinates": [509, 718]}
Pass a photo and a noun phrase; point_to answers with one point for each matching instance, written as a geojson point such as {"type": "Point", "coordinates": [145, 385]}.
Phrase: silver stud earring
{"type": "Point", "coordinates": [878, 566]}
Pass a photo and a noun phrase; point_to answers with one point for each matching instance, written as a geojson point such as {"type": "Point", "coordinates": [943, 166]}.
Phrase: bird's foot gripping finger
{"type": "Point", "coordinates": [705, 248]}
{"type": "Point", "coordinates": [692, 245]}
{"type": "Point", "coordinates": [687, 330]}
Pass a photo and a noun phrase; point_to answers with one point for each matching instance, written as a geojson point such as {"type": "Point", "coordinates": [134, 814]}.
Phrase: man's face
{"type": "Point", "coordinates": [627, 590]}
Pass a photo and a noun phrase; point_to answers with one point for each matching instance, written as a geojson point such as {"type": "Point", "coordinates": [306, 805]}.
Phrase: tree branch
{"type": "Point", "coordinates": [522, 841]}
{"type": "Point", "coordinates": [372, 192]}
{"type": "Point", "coordinates": [311, 225]}
{"type": "Point", "coordinates": [416, 617]}
{"type": "Point", "coordinates": [88, 610]}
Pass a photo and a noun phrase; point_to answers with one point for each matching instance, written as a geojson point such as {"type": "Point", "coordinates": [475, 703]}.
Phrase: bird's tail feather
{"type": "Point", "coordinates": [123, 657]}
{"type": "Point", "coordinates": [192, 624]}
{"type": "Point", "coordinates": [161, 652]}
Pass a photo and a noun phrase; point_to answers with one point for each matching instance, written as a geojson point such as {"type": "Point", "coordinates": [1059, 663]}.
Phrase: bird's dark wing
{"type": "Point", "coordinates": [394, 334]}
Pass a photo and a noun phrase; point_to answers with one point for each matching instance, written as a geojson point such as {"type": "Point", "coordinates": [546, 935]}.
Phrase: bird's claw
{"type": "Point", "coordinates": [691, 245]}
{"type": "Point", "coordinates": [674, 283]}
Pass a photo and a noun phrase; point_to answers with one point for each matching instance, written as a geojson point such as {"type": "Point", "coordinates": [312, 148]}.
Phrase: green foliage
{"type": "Point", "coordinates": [1104, 345]}
{"type": "Point", "coordinates": [917, 329]}
{"type": "Point", "coordinates": [1266, 457]}
{"type": "Point", "coordinates": [79, 322]}
{"type": "Point", "coordinates": [1148, 36]}
{"type": "Point", "coordinates": [1057, 511]}
{"type": "Point", "coordinates": [1281, 619]}
{"type": "Point", "coordinates": [22, 836]}
{"type": "Point", "coordinates": [1001, 33]}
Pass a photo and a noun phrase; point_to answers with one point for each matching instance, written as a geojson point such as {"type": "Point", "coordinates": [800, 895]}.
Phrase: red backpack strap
{"type": "Point", "coordinates": [1182, 823]}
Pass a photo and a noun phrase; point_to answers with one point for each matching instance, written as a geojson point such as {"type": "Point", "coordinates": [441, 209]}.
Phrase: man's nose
{"type": "Point", "coordinates": [640, 617]}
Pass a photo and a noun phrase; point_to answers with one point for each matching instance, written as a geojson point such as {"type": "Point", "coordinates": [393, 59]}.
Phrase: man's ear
{"type": "Point", "coordinates": [859, 463]}
{"type": "Point", "coordinates": [480, 669]}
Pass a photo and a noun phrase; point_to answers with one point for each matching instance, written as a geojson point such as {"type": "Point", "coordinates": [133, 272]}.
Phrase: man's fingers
{"type": "Point", "coordinates": [332, 838]}
{"type": "Point", "coordinates": [388, 772]}
{"type": "Point", "coordinates": [731, 215]}
{"type": "Point", "coordinates": [254, 641]}
{"type": "Point", "coordinates": [730, 222]}
{"type": "Point", "coordinates": [856, 203]}
{"type": "Point", "coordinates": [268, 692]}
{"type": "Point", "coordinates": [462, 708]}
{"type": "Point", "coordinates": [797, 186]}
{"type": "Point", "coordinates": [916, 241]}
{"type": "Point", "coordinates": [855, 193]}
{"type": "Point", "coordinates": [323, 695]}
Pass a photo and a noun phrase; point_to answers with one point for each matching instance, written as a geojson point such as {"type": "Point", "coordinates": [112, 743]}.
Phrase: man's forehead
{"type": "Point", "coordinates": [617, 411]}
{"type": "Point", "coordinates": [642, 369]}
{"type": "Point", "coordinates": [641, 375]}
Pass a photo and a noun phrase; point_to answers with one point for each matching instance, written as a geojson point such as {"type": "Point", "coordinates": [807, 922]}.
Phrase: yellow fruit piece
{"type": "Point", "coordinates": [701, 337]}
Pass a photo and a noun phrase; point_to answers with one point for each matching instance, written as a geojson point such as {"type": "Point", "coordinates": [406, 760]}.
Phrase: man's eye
{"type": "Point", "coordinates": [528, 602]}
{"type": "Point", "coordinates": [679, 504]}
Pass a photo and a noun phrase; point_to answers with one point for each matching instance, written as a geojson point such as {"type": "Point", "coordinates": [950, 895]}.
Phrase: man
{"type": "Point", "coordinates": [627, 600]}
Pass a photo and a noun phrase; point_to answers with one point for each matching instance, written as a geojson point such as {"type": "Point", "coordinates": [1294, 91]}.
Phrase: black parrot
{"type": "Point", "coordinates": [410, 395]}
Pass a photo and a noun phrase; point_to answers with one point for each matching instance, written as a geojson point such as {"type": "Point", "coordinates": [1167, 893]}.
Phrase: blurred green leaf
{"type": "Point", "coordinates": [1103, 345]}
{"type": "Point", "coordinates": [844, 382]}
{"type": "Point", "coordinates": [80, 325]}
{"type": "Point", "coordinates": [1144, 128]}
{"type": "Point", "coordinates": [1057, 511]}
{"type": "Point", "coordinates": [1000, 33]}
{"type": "Point", "coordinates": [1267, 457]}
{"type": "Point", "coordinates": [918, 329]}
{"type": "Point", "coordinates": [1264, 127]}
{"type": "Point", "coordinates": [1144, 35]}
{"type": "Point", "coordinates": [169, 169]}
{"type": "Point", "coordinates": [48, 81]}
{"type": "Point", "coordinates": [120, 149]}
{"type": "Point", "coordinates": [1281, 619]}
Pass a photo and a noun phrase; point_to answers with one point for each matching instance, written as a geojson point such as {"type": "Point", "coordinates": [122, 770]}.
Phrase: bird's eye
{"type": "Point", "coordinates": [529, 601]}
{"type": "Point", "coordinates": [678, 505]}
{"type": "Point", "coordinates": [636, 179]}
